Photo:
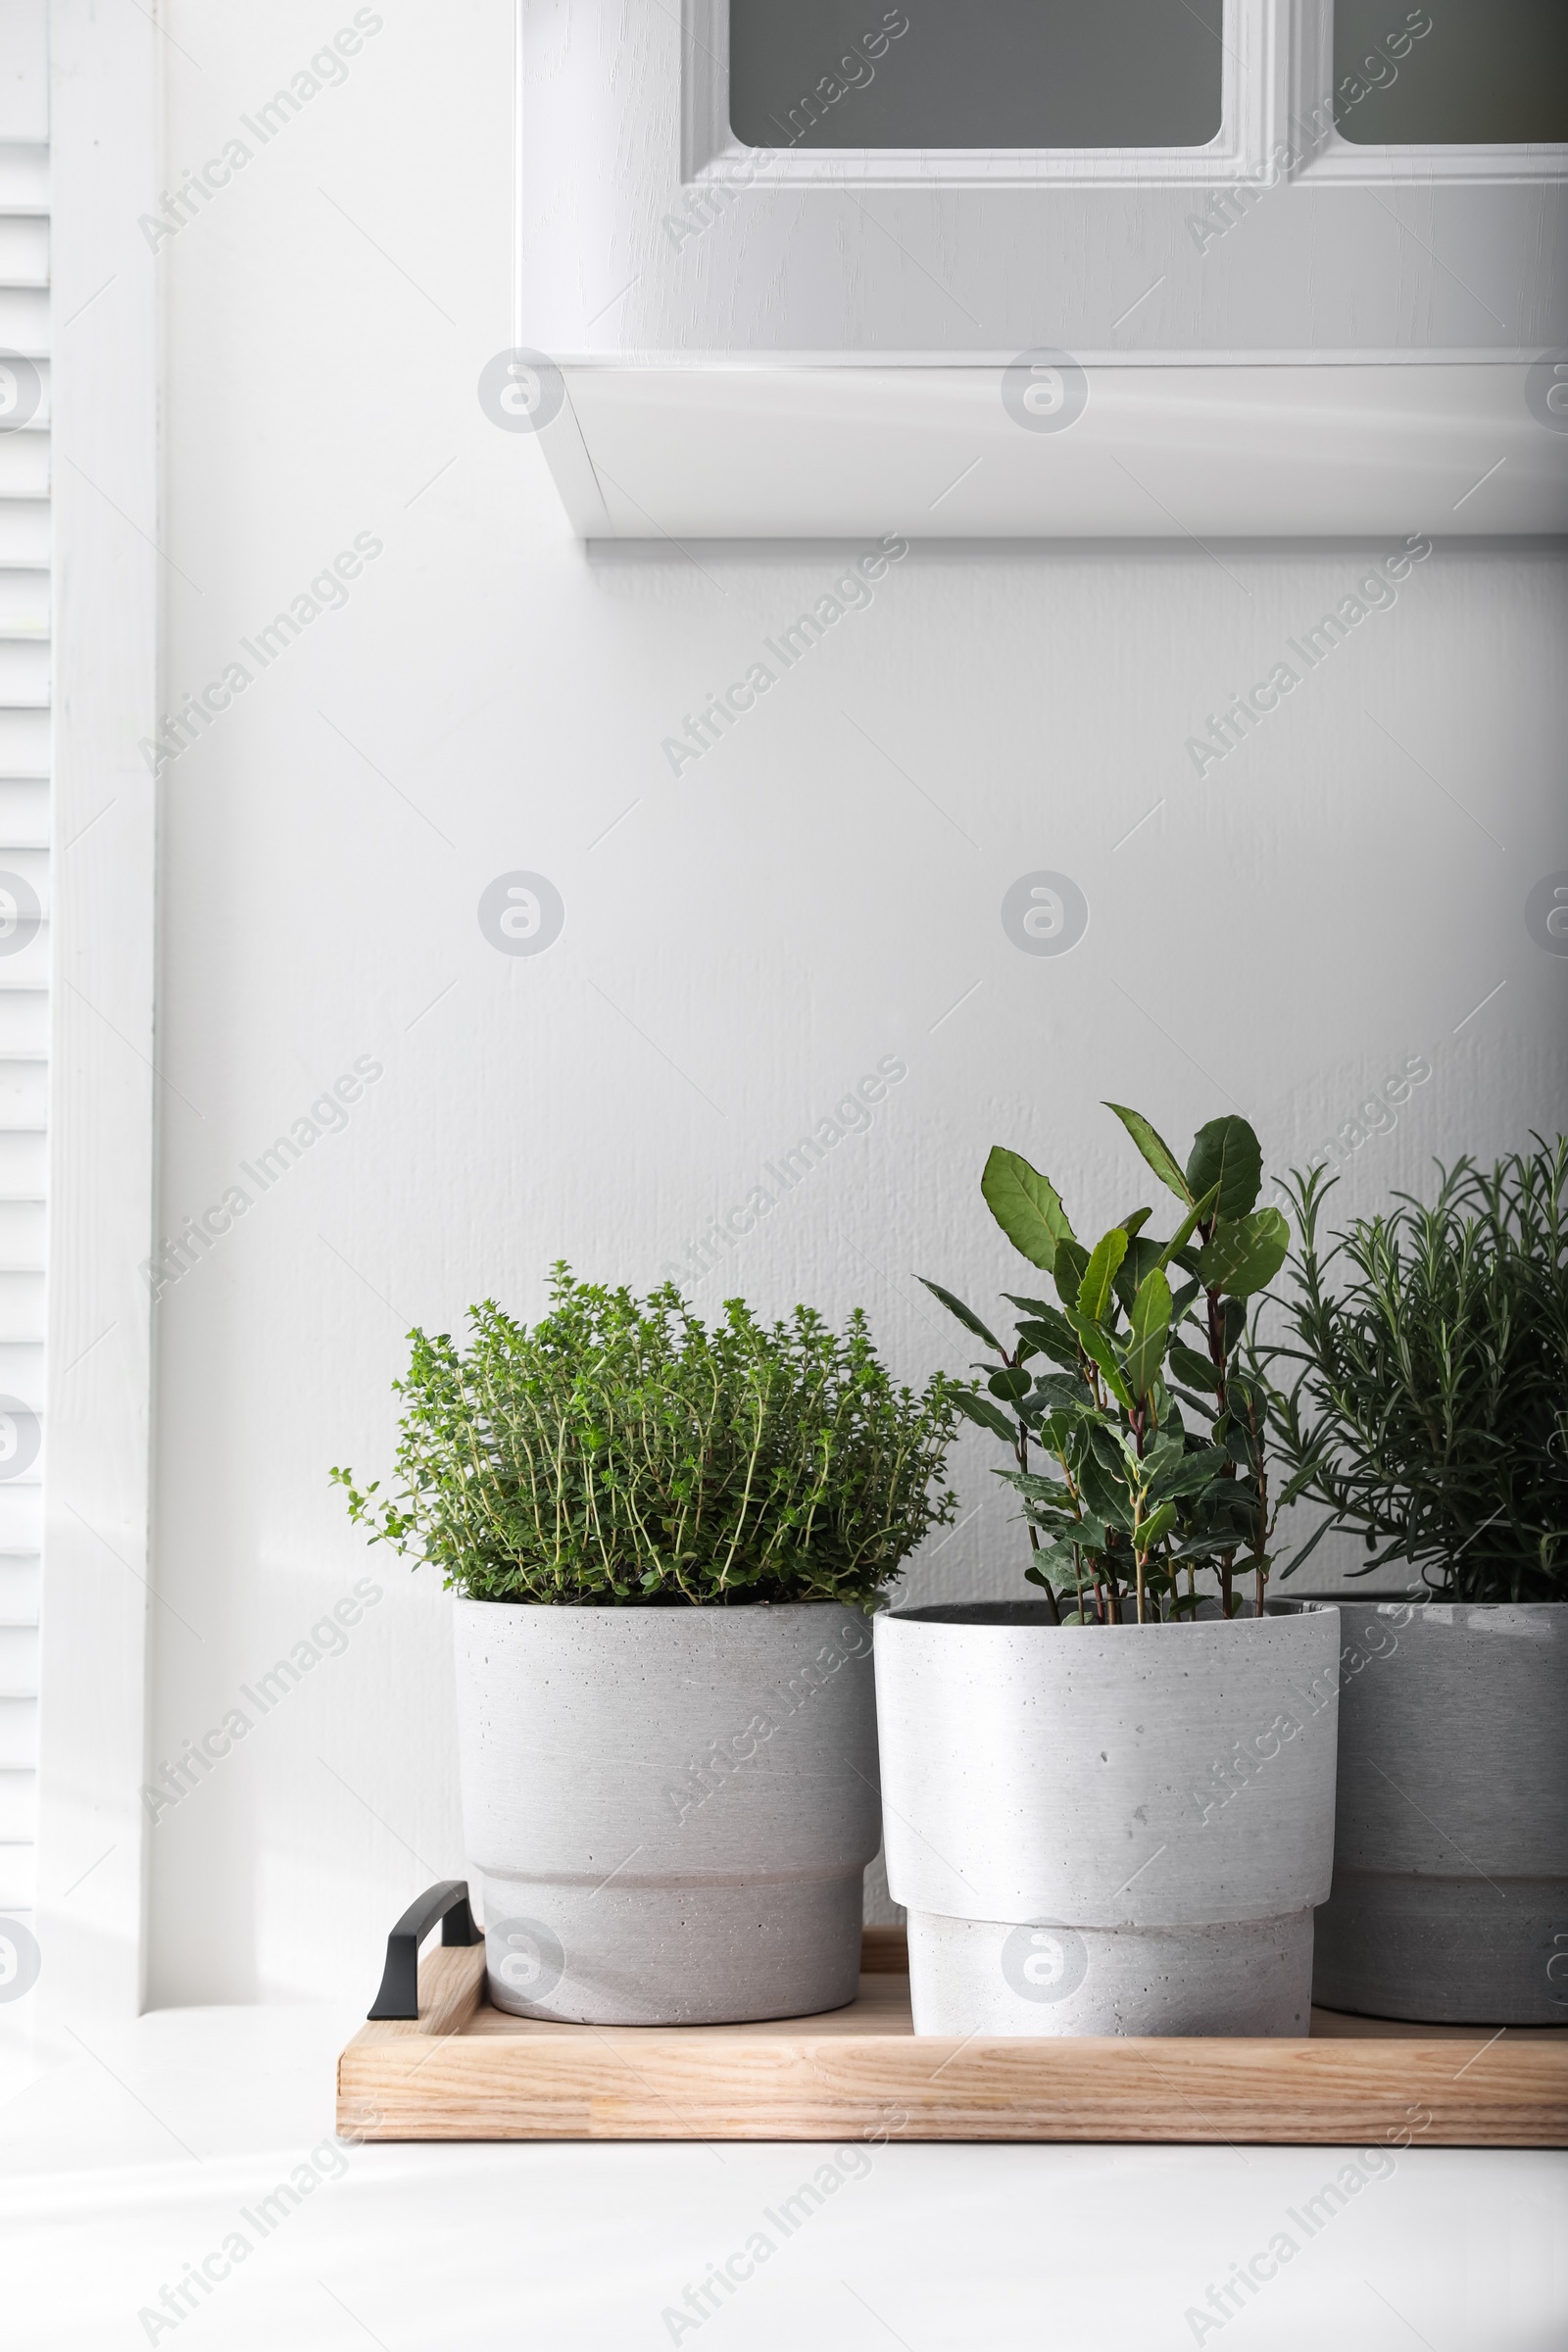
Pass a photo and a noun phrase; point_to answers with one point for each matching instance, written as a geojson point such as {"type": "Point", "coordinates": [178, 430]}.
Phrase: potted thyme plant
{"type": "Point", "coordinates": [1111, 1810]}
{"type": "Point", "coordinates": [1420, 1395]}
{"type": "Point", "coordinates": [666, 1541]}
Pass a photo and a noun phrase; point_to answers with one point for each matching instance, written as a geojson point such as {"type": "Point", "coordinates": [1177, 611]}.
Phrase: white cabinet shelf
{"type": "Point", "coordinates": [713, 451]}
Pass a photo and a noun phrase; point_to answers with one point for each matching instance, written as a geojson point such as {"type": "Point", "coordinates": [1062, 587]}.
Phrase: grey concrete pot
{"type": "Point", "coordinates": [667, 1812]}
{"type": "Point", "coordinates": [1107, 1829]}
{"type": "Point", "coordinates": [1451, 1858]}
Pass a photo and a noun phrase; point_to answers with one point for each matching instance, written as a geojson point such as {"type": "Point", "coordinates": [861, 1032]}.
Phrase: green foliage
{"type": "Point", "coordinates": [1026, 1206]}
{"type": "Point", "coordinates": [620, 1451]}
{"type": "Point", "coordinates": [1225, 1154]}
{"type": "Point", "coordinates": [1245, 1256]}
{"type": "Point", "coordinates": [1427, 1403]}
{"type": "Point", "coordinates": [1149, 1332]}
{"type": "Point", "coordinates": [1096, 1294]}
{"type": "Point", "coordinates": [1154, 1148]}
{"type": "Point", "coordinates": [1132, 1501]}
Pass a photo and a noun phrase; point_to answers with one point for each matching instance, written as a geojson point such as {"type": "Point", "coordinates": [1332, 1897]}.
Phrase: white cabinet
{"type": "Point", "coordinates": [852, 311]}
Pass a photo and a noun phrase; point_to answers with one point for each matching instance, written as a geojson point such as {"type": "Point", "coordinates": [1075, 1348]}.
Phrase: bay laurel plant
{"type": "Point", "coordinates": [1421, 1387]}
{"type": "Point", "coordinates": [1136, 1433]}
{"type": "Point", "coordinates": [620, 1452]}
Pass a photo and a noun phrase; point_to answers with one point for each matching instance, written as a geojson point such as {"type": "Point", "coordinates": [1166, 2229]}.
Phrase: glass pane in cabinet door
{"type": "Point", "coordinates": [1459, 73]}
{"type": "Point", "coordinates": [1004, 73]}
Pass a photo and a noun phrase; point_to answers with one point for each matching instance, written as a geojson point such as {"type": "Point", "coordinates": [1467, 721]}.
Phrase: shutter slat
{"type": "Point", "coordinates": [19, 1806]}
{"type": "Point", "coordinates": [24, 249]}
{"type": "Point", "coordinates": [23, 529]}
{"type": "Point", "coordinates": [19, 1663]}
{"type": "Point", "coordinates": [23, 612]}
{"type": "Point", "coordinates": [18, 1593]}
{"type": "Point", "coordinates": [18, 1877]}
{"type": "Point", "coordinates": [22, 1236]}
{"type": "Point", "coordinates": [27, 967]}
{"type": "Point", "coordinates": [24, 1026]}
{"type": "Point", "coordinates": [25, 464]}
{"type": "Point", "coordinates": [25, 321]}
{"type": "Point", "coordinates": [22, 1317]}
{"type": "Point", "coordinates": [24, 815]}
{"type": "Point", "coordinates": [25, 673]}
{"type": "Point", "coordinates": [18, 1734]}
{"type": "Point", "coordinates": [23, 1095]}
{"type": "Point", "coordinates": [24, 179]}
{"type": "Point", "coordinates": [24, 1174]}
{"type": "Point", "coordinates": [24, 742]}
{"type": "Point", "coordinates": [20, 1525]}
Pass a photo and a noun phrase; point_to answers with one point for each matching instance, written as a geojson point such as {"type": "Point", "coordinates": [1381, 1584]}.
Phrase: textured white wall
{"type": "Point", "coordinates": [821, 891]}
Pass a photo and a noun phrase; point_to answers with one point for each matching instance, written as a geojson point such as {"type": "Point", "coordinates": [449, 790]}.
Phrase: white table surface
{"type": "Point", "coordinates": [125, 2165]}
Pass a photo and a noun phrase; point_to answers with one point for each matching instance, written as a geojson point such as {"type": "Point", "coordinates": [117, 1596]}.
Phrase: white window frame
{"type": "Point", "coordinates": [1278, 68]}
{"type": "Point", "coordinates": [1348, 164]}
{"type": "Point", "coordinates": [1252, 91]}
{"type": "Point", "coordinates": [105, 81]}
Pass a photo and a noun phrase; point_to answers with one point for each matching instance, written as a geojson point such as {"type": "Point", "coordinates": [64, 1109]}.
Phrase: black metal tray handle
{"type": "Point", "coordinates": [448, 1902]}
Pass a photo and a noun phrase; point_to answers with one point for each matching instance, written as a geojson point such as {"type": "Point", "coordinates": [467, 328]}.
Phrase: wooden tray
{"type": "Point", "coordinates": [464, 2071]}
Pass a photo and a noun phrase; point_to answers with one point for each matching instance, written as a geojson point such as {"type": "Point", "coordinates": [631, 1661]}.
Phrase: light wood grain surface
{"type": "Point", "coordinates": [464, 2071]}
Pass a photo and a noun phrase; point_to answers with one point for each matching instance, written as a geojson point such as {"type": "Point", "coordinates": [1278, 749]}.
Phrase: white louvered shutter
{"type": "Point", "coordinates": [24, 899]}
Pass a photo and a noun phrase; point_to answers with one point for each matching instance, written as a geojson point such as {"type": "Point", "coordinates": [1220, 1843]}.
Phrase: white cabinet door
{"type": "Point", "coordinates": [1287, 234]}
{"type": "Point", "coordinates": [1291, 301]}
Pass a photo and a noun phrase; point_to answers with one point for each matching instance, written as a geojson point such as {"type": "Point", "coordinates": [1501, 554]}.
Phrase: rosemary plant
{"type": "Point", "coordinates": [1427, 1399]}
{"type": "Point", "coordinates": [620, 1452]}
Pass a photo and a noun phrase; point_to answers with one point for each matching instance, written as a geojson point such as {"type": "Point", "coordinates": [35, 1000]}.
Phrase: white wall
{"type": "Point", "coordinates": [750, 938]}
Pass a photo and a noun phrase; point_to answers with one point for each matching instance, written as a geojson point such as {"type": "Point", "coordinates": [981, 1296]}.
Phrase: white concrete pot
{"type": "Point", "coordinates": [667, 1812]}
{"type": "Point", "coordinates": [1107, 1829]}
{"type": "Point", "coordinates": [1451, 1858]}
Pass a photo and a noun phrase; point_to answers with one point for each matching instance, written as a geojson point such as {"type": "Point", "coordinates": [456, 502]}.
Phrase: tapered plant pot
{"type": "Point", "coordinates": [1107, 1829]}
{"type": "Point", "coordinates": [1449, 1902]}
{"type": "Point", "coordinates": [667, 1812]}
